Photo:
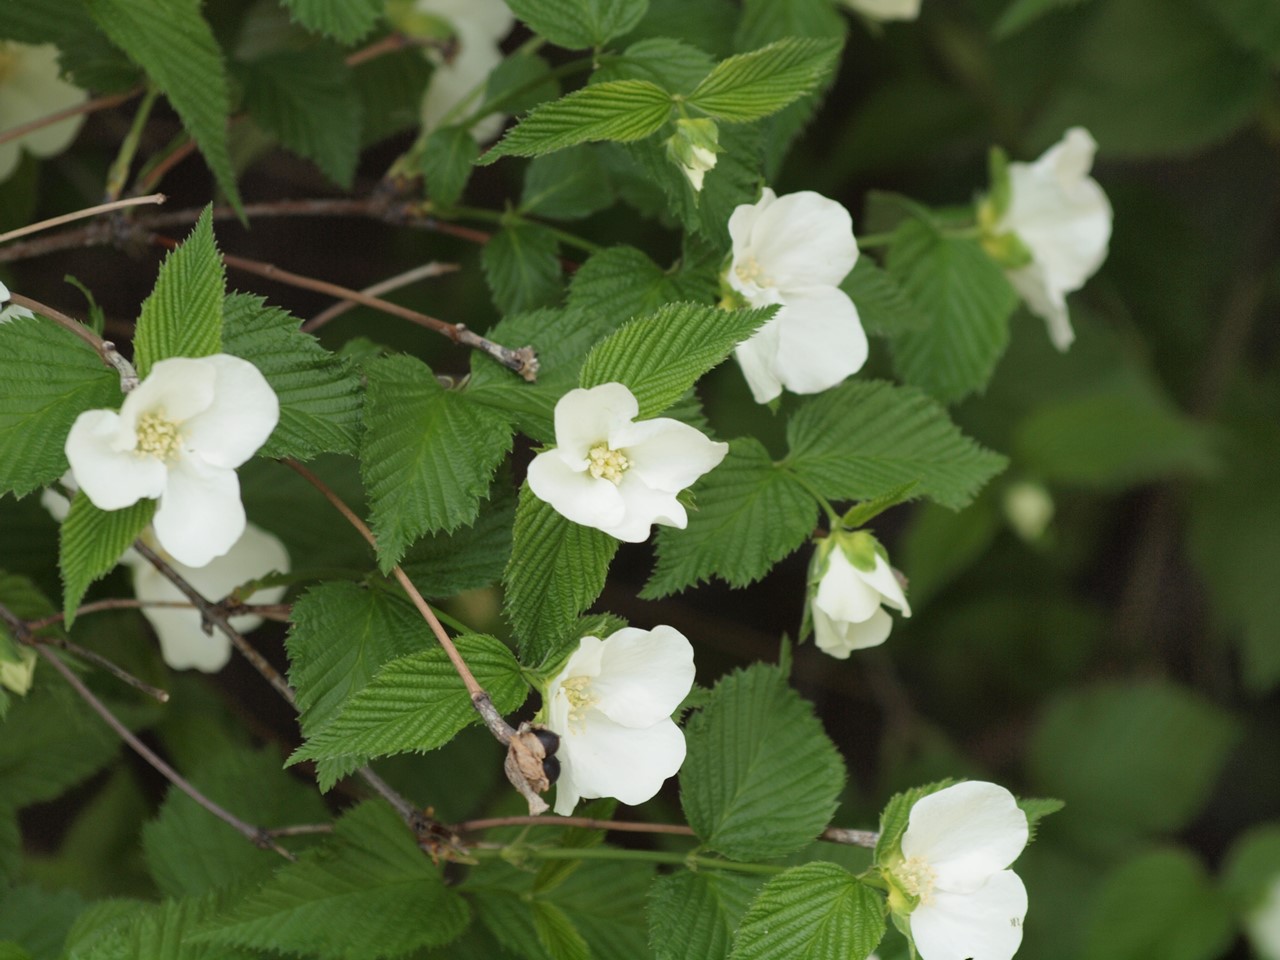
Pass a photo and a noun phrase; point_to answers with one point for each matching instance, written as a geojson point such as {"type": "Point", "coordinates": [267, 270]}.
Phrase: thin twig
{"type": "Point", "coordinates": [857, 838]}
{"type": "Point", "coordinates": [102, 663]}
{"type": "Point", "coordinates": [479, 696]}
{"type": "Point", "coordinates": [117, 603]}
{"type": "Point", "coordinates": [424, 272]}
{"type": "Point", "coordinates": [82, 214]}
{"type": "Point", "coordinates": [87, 107]}
{"type": "Point", "coordinates": [301, 830]}
{"type": "Point", "coordinates": [104, 348]}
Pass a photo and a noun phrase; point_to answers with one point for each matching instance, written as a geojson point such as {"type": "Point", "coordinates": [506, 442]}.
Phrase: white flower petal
{"type": "Point", "coordinates": [200, 514]}
{"type": "Point", "coordinates": [175, 389]}
{"type": "Point", "coordinates": [886, 9]}
{"type": "Point", "coordinates": [742, 223]}
{"type": "Point", "coordinates": [582, 498]}
{"type": "Point", "coordinates": [1263, 924]}
{"type": "Point", "coordinates": [757, 358]}
{"type": "Point", "coordinates": [966, 833]}
{"type": "Point", "coordinates": [1045, 302]}
{"type": "Point", "coordinates": [884, 582]}
{"type": "Point", "coordinates": [821, 340]}
{"type": "Point", "coordinates": [606, 759]}
{"type": "Point", "coordinates": [802, 240]}
{"type": "Point", "coordinates": [843, 592]}
{"type": "Point", "coordinates": [839, 639]}
{"type": "Point", "coordinates": [983, 925]}
{"type": "Point", "coordinates": [585, 418]}
{"type": "Point", "coordinates": [99, 448]}
{"type": "Point", "coordinates": [644, 507]}
{"type": "Point", "coordinates": [666, 454]}
{"type": "Point", "coordinates": [239, 419]}
{"type": "Point", "coordinates": [644, 675]}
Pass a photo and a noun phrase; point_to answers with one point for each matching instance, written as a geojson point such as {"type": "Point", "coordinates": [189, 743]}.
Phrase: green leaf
{"type": "Point", "coordinates": [391, 88]}
{"type": "Point", "coordinates": [183, 315]}
{"type": "Point", "coordinates": [579, 24]}
{"type": "Point", "coordinates": [671, 64]}
{"type": "Point", "coordinates": [815, 912]}
{"type": "Point", "coordinates": [620, 111]}
{"type": "Point", "coordinates": [190, 853]}
{"type": "Point", "coordinates": [470, 557]}
{"type": "Point", "coordinates": [764, 21]}
{"type": "Point", "coordinates": [38, 919]}
{"type": "Point", "coordinates": [319, 392]}
{"type": "Point", "coordinates": [659, 357]}
{"type": "Point", "coordinates": [48, 377]}
{"type": "Point", "coordinates": [761, 779]}
{"type": "Point", "coordinates": [159, 931]}
{"type": "Point", "coordinates": [968, 302]}
{"type": "Point", "coordinates": [12, 951]}
{"type": "Point", "coordinates": [864, 440]}
{"type": "Point", "coordinates": [1142, 756]}
{"type": "Point", "coordinates": [181, 57]}
{"type": "Point", "coordinates": [1161, 904]}
{"type": "Point", "coordinates": [447, 157]}
{"type": "Point", "coordinates": [369, 894]}
{"type": "Point", "coordinates": [1036, 809]}
{"type": "Point", "coordinates": [557, 934]}
{"type": "Point", "coordinates": [345, 20]}
{"type": "Point", "coordinates": [567, 185]}
{"type": "Point", "coordinates": [750, 514]}
{"type": "Point", "coordinates": [692, 916]}
{"type": "Point", "coordinates": [754, 85]}
{"type": "Point", "coordinates": [306, 99]}
{"type": "Point", "coordinates": [883, 307]}
{"type": "Point", "coordinates": [1253, 24]}
{"type": "Point", "coordinates": [91, 543]}
{"type": "Point", "coordinates": [621, 282]}
{"type": "Point", "coordinates": [522, 267]}
{"type": "Point", "coordinates": [557, 570]}
{"type": "Point", "coordinates": [417, 703]}
{"type": "Point", "coordinates": [427, 455]}
{"type": "Point", "coordinates": [10, 847]}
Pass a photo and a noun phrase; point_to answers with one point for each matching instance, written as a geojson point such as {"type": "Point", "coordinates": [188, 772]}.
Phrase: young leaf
{"type": "Point", "coordinates": [447, 157]}
{"type": "Point", "coordinates": [369, 894]}
{"type": "Point", "coordinates": [319, 392]}
{"type": "Point", "coordinates": [181, 57]}
{"type": "Point", "coordinates": [91, 542]}
{"type": "Point", "coordinates": [345, 20]}
{"type": "Point", "coordinates": [307, 101]}
{"type": "Point", "coordinates": [621, 111]}
{"type": "Point", "coordinates": [557, 570]}
{"type": "Point", "coordinates": [183, 315]}
{"type": "Point", "coordinates": [659, 357]}
{"type": "Point", "coordinates": [427, 456]}
{"type": "Point", "coordinates": [968, 300]}
{"type": "Point", "coordinates": [522, 267]}
{"type": "Point", "coordinates": [48, 377]}
{"type": "Point", "coordinates": [818, 911]}
{"type": "Point", "coordinates": [750, 514]}
{"type": "Point", "coordinates": [754, 85]}
{"type": "Point", "coordinates": [417, 703]}
{"type": "Point", "coordinates": [761, 778]}
{"type": "Point", "coordinates": [579, 24]}
{"type": "Point", "coordinates": [692, 916]}
{"type": "Point", "coordinates": [866, 439]}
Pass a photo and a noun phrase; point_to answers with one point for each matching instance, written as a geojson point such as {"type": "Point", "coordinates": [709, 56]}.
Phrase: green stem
{"type": "Point", "coordinates": [834, 519]}
{"type": "Point", "coordinates": [691, 861]}
{"type": "Point", "coordinates": [512, 217]}
{"type": "Point", "coordinates": [118, 175]}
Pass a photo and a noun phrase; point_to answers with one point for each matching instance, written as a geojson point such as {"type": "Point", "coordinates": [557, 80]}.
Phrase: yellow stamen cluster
{"type": "Point", "coordinates": [577, 690]}
{"type": "Point", "coordinates": [750, 271]}
{"type": "Point", "coordinates": [916, 877]}
{"type": "Point", "coordinates": [158, 437]}
{"type": "Point", "coordinates": [606, 463]}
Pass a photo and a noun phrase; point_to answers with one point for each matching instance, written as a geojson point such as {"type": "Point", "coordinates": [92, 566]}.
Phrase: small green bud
{"type": "Point", "coordinates": [693, 148]}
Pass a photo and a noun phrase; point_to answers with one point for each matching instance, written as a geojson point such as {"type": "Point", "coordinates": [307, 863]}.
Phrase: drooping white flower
{"type": "Point", "coordinates": [1062, 218]}
{"type": "Point", "coordinates": [179, 437]}
{"type": "Point", "coordinates": [956, 852]}
{"type": "Point", "coordinates": [183, 642]}
{"type": "Point", "coordinates": [885, 9]}
{"type": "Point", "coordinates": [794, 251]}
{"type": "Point", "coordinates": [849, 580]}
{"type": "Point", "coordinates": [9, 311]}
{"type": "Point", "coordinates": [609, 472]}
{"type": "Point", "coordinates": [611, 706]}
{"type": "Point", "coordinates": [30, 88]}
{"type": "Point", "coordinates": [1262, 924]}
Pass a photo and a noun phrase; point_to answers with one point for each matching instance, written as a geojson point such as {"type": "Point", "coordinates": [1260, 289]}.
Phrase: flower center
{"type": "Point", "coordinates": [750, 271]}
{"type": "Point", "coordinates": [158, 437]}
{"type": "Point", "coordinates": [606, 463]}
{"type": "Point", "coordinates": [577, 690]}
{"type": "Point", "coordinates": [916, 877]}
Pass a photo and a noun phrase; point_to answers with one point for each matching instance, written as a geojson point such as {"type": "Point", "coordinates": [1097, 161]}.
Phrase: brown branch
{"type": "Point", "coordinates": [87, 107]}
{"type": "Point", "coordinates": [119, 603]}
{"type": "Point", "coordinates": [154, 198]}
{"type": "Point", "coordinates": [101, 662]}
{"type": "Point", "coordinates": [301, 830]}
{"type": "Point", "coordinates": [857, 838]}
{"type": "Point", "coordinates": [104, 348]}
{"type": "Point", "coordinates": [424, 272]}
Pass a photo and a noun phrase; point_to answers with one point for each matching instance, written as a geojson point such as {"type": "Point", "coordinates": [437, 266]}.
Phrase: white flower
{"type": "Point", "coordinates": [1263, 924]}
{"type": "Point", "coordinates": [1063, 219]}
{"type": "Point", "coordinates": [30, 88]}
{"type": "Point", "coordinates": [794, 251]}
{"type": "Point", "coordinates": [477, 26]}
{"type": "Point", "coordinates": [885, 9]}
{"type": "Point", "coordinates": [611, 705]}
{"type": "Point", "coordinates": [611, 473]}
{"type": "Point", "coordinates": [179, 437]}
{"type": "Point", "coordinates": [10, 311]}
{"type": "Point", "coordinates": [846, 607]}
{"type": "Point", "coordinates": [183, 642]}
{"type": "Point", "coordinates": [955, 854]}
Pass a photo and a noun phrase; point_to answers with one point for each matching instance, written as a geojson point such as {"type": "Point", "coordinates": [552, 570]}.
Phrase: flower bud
{"type": "Point", "coordinates": [18, 675]}
{"type": "Point", "coordinates": [1028, 508]}
{"type": "Point", "coordinates": [849, 579]}
{"type": "Point", "coordinates": [693, 148]}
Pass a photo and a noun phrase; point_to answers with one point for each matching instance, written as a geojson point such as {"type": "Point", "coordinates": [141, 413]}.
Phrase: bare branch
{"type": "Point", "coordinates": [104, 348]}
{"type": "Point", "coordinates": [153, 198]}
{"type": "Point", "coordinates": [87, 107]}
{"type": "Point", "coordinates": [424, 272]}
